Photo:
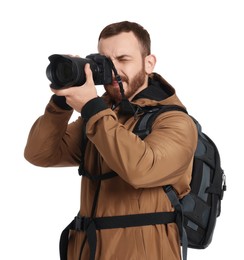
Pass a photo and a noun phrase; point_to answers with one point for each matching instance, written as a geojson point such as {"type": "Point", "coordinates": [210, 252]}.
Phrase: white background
{"type": "Point", "coordinates": [199, 46]}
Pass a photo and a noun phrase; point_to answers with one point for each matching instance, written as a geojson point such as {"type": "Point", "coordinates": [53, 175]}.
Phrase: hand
{"type": "Point", "coordinates": [77, 97]}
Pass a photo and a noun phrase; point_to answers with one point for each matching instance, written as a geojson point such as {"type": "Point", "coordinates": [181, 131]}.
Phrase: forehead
{"type": "Point", "coordinates": [122, 44]}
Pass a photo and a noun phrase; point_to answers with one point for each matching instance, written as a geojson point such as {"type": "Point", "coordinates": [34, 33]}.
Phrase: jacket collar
{"type": "Point", "coordinates": [158, 92]}
{"type": "Point", "coordinates": [158, 89]}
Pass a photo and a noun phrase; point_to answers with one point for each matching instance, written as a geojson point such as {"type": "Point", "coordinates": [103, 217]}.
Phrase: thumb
{"type": "Point", "coordinates": [89, 76]}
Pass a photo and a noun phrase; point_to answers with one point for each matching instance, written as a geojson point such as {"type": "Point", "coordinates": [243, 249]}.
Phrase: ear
{"type": "Point", "coordinates": [150, 62]}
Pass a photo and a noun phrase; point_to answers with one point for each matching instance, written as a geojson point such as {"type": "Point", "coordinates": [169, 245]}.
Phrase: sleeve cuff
{"type": "Point", "coordinates": [93, 107]}
{"type": "Point", "coordinates": [60, 101]}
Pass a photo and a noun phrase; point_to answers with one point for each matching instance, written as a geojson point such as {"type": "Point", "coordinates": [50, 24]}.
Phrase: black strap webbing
{"type": "Point", "coordinates": [179, 219]}
{"type": "Point", "coordinates": [63, 242]}
{"type": "Point", "coordinates": [144, 124]}
{"type": "Point", "coordinates": [89, 226]}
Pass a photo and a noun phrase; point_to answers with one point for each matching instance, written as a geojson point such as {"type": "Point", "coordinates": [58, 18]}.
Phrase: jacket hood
{"type": "Point", "coordinates": [158, 92]}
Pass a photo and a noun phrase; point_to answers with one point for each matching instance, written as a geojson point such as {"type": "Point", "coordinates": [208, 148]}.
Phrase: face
{"type": "Point", "coordinates": [125, 52]}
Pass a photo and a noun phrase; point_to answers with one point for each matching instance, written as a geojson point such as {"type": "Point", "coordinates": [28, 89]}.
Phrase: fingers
{"type": "Point", "coordinates": [89, 77]}
{"type": "Point", "coordinates": [59, 92]}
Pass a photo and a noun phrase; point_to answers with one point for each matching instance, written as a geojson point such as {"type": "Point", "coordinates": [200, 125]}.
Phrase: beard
{"type": "Point", "coordinates": [133, 85]}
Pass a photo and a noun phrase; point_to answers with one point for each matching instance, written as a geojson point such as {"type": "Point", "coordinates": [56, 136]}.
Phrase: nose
{"type": "Point", "coordinates": [115, 62]}
{"type": "Point", "coordinates": [116, 66]}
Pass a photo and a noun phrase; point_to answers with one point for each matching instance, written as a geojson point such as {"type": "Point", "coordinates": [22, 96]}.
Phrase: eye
{"type": "Point", "coordinates": [123, 58]}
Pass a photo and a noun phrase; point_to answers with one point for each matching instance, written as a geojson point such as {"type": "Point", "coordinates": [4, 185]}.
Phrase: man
{"type": "Point", "coordinates": [142, 167]}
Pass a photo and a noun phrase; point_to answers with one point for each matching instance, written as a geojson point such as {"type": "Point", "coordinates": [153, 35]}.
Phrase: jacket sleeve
{"type": "Point", "coordinates": [162, 158]}
{"type": "Point", "coordinates": [52, 141]}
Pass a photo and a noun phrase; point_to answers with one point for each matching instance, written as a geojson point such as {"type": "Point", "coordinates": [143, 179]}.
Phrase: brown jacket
{"type": "Point", "coordinates": [143, 167]}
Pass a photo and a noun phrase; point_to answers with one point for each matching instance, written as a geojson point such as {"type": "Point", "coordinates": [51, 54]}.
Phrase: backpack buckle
{"type": "Point", "coordinates": [81, 223]}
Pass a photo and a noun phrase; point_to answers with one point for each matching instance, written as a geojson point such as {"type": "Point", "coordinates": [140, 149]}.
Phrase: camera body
{"type": "Point", "coordinates": [66, 71]}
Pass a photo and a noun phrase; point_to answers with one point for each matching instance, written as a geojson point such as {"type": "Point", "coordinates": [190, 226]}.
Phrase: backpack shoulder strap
{"type": "Point", "coordinates": [142, 129]}
{"type": "Point", "coordinates": [144, 124]}
{"type": "Point", "coordinates": [168, 189]}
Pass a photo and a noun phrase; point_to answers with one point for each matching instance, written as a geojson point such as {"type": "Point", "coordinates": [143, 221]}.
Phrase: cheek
{"type": "Point", "coordinates": [133, 69]}
{"type": "Point", "coordinates": [131, 72]}
{"type": "Point", "coordinates": [128, 69]}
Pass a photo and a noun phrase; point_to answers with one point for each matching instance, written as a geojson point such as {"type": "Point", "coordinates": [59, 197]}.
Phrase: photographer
{"type": "Point", "coordinates": [122, 175]}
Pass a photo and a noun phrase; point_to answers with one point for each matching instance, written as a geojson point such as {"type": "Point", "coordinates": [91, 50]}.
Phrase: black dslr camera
{"type": "Point", "coordinates": [66, 71]}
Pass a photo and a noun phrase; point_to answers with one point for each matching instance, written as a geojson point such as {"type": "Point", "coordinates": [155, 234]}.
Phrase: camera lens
{"type": "Point", "coordinates": [64, 72]}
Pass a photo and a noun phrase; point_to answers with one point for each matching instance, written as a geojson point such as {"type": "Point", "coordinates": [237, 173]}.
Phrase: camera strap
{"type": "Point", "coordinates": [125, 106]}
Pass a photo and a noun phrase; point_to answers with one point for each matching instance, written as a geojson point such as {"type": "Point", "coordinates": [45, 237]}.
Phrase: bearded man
{"type": "Point", "coordinates": [122, 175]}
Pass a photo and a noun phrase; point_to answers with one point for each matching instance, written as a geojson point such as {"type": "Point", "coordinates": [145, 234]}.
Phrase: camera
{"type": "Point", "coordinates": [66, 71]}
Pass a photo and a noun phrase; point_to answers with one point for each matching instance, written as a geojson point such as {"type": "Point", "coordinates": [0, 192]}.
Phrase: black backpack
{"type": "Point", "coordinates": [195, 214]}
{"type": "Point", "coordinates": [199, 209]}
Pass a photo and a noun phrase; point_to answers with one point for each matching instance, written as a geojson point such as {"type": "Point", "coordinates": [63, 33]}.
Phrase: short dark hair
{"type": "Point", "coordinates": [140, 33]}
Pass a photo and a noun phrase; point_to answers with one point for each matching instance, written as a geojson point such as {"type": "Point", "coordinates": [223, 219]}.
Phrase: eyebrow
{"type": "Point", "coordinates": [123, 56]}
